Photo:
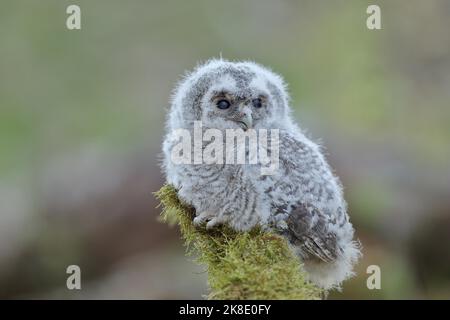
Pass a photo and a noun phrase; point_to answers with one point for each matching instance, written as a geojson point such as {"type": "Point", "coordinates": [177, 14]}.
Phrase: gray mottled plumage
{"type": "Point", "coordinates": [302, 200]}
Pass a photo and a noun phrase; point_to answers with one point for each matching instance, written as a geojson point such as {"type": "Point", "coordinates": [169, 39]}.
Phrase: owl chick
{"type": "Point", "coordinates": [302, 200]}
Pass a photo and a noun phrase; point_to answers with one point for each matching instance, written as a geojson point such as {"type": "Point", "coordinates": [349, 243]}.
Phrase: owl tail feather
{"type": "Point", "coordinates": [330, 275]}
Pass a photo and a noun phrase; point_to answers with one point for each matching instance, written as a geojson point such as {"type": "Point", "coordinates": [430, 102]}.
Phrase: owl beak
{"type": "Point", "coordinates": [245, 120]}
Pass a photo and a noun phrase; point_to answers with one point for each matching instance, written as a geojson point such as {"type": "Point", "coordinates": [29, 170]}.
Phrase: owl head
{"type": "Point", "coordinates": [227, 95]}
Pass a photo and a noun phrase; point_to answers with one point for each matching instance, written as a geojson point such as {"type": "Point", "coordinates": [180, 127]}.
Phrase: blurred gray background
{"type": "Point", "coordinates": [81, 123]}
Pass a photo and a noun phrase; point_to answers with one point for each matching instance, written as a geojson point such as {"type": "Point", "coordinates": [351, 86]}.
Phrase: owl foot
{"type": "Point", "coordinates": [211, 219]}
{"type": "Point", "coordinates": [202, 217]}
{"type": "Point", "coordinates": [214, 222]}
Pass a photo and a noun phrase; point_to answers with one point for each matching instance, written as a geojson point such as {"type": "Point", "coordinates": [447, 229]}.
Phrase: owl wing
{"type": "Point", "coordinates": [307, 229]}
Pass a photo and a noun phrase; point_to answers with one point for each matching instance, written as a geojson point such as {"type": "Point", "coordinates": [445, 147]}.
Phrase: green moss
{"type": "Point", "coordinates": [250, 265]}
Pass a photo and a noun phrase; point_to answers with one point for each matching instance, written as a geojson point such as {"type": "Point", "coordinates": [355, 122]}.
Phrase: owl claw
{"type": "Point", "coordinates": [202, 217]}
{"type": "Point", "coordinates": [213, 222]}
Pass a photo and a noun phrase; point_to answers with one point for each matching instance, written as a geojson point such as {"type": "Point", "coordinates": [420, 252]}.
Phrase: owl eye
{"type": "Point", "coordinates": [223, 104]}
{"type": "Point", "coordinates": [257, 103]}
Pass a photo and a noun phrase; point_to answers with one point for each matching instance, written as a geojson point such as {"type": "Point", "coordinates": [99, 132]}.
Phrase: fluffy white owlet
{"type": "Point", "coordinates": [301, 199]}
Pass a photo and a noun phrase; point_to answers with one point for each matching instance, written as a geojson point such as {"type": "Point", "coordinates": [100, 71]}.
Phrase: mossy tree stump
{"type": "Point", "coordinates": [250, 265]}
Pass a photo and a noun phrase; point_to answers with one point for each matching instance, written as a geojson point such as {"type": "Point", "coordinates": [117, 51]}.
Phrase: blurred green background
{"type": "Point", "coordinates": [81, 124]}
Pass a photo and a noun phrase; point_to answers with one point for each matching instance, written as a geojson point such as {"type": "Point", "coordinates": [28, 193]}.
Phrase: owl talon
{"type": "Point", "coordinates": [202, 217]}
{"type": "Point", "coordinates": [213, 222]}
